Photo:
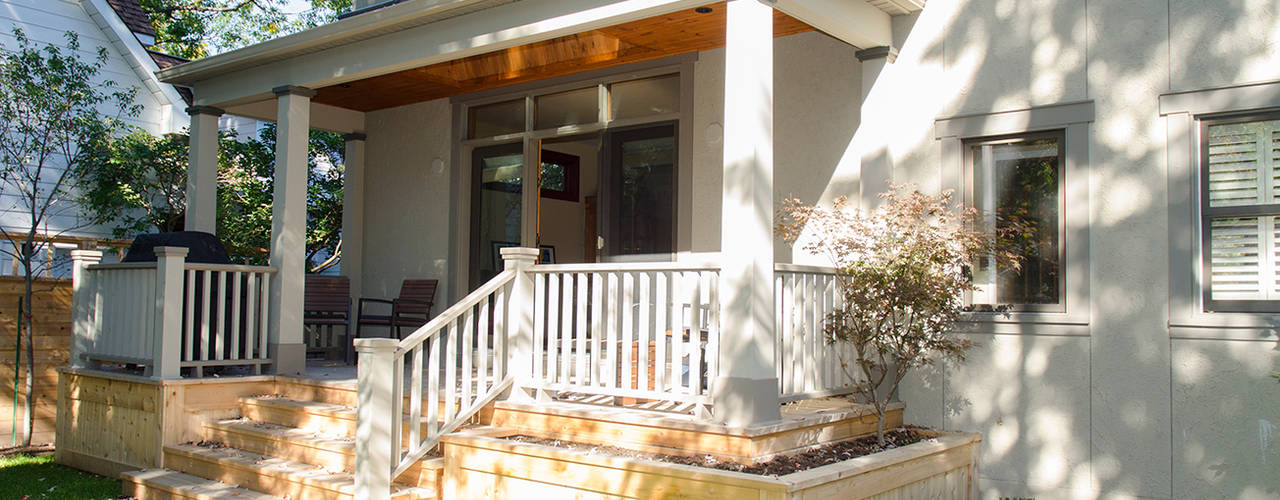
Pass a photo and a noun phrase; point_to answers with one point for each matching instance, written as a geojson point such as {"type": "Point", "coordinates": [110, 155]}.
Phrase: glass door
{"type": "Point", "coordinates": [637, 186]}
{"type": "Point", "coordinates": [496, 207]}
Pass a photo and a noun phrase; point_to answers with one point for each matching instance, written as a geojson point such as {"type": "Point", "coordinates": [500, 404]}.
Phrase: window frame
{"type": "Point", "coordinates": [1183, 110]}
{"type": "Point", "coordinates": [1206, 214]}
{"type": "Point", "coordinates": [970, 195]}
{"type": "Point", "coordinates": [1075, 119]}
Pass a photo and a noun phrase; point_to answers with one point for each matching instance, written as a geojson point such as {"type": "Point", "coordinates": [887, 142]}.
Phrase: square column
{"type": "Point", "coordinates": [876, 164]}
{"type": "Point", "coordinates": [746, 391]}
{"type": "Point", "coordinates": [202, 170]}
{"type": "Point", "coordinates": [289, 229]}
{"type": "Point", "coordinates": [353, 214]}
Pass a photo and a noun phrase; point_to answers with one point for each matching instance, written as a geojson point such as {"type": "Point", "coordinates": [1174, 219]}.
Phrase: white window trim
{"type": "Point", "coordinates": [1073, 119]}
{"type": "Point", "coordinates": [1183, 111]}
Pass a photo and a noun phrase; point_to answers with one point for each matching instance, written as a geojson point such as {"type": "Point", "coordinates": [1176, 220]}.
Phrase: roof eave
{"type": "Point", "coordinates": [389, 19]}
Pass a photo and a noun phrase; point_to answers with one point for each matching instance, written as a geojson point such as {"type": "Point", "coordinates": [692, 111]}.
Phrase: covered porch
{"type": "Point", "coordinates": [649, 276]}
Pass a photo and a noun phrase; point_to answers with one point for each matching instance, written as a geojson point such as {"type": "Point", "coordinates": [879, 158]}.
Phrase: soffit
{"type": "Point", "coordinates": [898, 7]}
{"type": "Point", "coordinates": [645, 39]}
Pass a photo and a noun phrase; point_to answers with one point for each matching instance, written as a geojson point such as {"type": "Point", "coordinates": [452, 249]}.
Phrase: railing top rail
{"type": "Point", "coordinates": [804, 268]}
{"type": "Point", "coordinates": [600, 267]}
{"type": "Point", "coordinates": [124, 265]}
{"type": "Point", "coordinates": [238, 268]}
{"type": "Point", "coordinates": [424, 332]}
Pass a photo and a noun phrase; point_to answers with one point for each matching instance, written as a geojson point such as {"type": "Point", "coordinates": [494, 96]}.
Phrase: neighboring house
{"type": "Point", "coordinates": [1141, 136]}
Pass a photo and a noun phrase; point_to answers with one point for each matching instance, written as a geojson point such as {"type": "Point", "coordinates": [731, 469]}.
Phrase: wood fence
{"type": "Point", "coordinates": [52, 316]}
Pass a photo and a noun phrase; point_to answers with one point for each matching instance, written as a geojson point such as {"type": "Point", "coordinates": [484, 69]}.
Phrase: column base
{"type": "Point", "coordinates": [290, 359]}
{"type": "Point", "coordinates": [745, 402]}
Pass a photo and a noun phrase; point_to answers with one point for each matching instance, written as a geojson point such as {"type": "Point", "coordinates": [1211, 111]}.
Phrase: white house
{"type": "Point", "coordinates": [1136, 361]}
{"type": "Point", "coordinates": [123, 29]}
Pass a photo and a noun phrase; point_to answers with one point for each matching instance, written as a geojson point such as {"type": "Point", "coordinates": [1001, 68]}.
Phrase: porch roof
{"type": "Point", "coordinates": [420, 50]}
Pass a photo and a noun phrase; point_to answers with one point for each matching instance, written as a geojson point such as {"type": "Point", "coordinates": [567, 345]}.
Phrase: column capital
{"type": "Point", "coordinates": [886, 52]}
{"type": "Point", "coordinates": [284, 90]}
{"type": "Point", "coordinates": [354, 136]}
{"type": "Point", "coordinates": [204, 110]}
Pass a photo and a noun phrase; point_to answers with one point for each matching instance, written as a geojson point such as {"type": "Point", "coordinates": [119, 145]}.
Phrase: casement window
{"type": "Point", "coordinates": [1240, 213]}
{"type": "Point", "coordinates": [1020, 177]}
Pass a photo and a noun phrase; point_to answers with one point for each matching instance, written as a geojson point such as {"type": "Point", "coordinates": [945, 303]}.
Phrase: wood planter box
{"type": "Point", "coordinates": [483, 465]}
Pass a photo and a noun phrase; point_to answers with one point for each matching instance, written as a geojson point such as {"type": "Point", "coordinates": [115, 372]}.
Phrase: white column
{"type": "Point", "coordinates": [165, 359]}
{"type": "Point", "coordinates": [375, 448]}
{"type": "Point", "coordinates": [746, 391]}
{"type": "Point", "coordinates": [82, 300]}
{"type": "Point", "coordinates": [202, 171]}
{"type": "Point", "coordinates": [289, 229]}
{"type": "Point", "coordinates": [876, 165]}
{"type": "Point", "coordinates": [520, 349]}
{"type": "Point", "coordinates": [353, 213]}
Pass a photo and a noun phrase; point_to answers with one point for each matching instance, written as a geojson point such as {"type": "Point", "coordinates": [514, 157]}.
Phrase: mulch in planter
{"type": "Point", "coordinates": [815, 457]}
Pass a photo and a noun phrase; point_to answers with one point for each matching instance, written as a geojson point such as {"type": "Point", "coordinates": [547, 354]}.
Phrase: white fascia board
{"type": "Point", "coordinates": [856, 22]}
{"type": "Point", "coordinates": [175, 117]}
{"type": "Point", "coordinates": [323, 116]}
{"type": "Point", "coordinates": [495, 28]}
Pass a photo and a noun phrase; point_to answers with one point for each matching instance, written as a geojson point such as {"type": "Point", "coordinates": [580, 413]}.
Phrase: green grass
{"type": "Point", "coordinates": [23, 476]}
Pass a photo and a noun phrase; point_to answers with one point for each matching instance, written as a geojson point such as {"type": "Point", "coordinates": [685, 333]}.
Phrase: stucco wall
{"type": "Point", "coordinates": [1121, 404]}
{"type": "Point", "coordinates": [46, 22]}
{"type": "Point", "coordinates": [816, 96]}
{"type": "Point", "coordinates": [407, 214]}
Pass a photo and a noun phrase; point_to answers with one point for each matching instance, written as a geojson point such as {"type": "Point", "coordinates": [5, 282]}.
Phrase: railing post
{"type": "Point", "coordinates": [375, 393]}
{"type": "Point", "coordinates": [82, 299]}
{"type": "Point", "coordinates": [165, 355]}
{"type": "Point", "coordinates": [520, 352]}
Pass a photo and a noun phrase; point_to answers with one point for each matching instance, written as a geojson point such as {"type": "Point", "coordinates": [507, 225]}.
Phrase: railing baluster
{"type": "Point", "coordinates": [566, 328]}
{"type": "Point", "coordinates": [597, 329]}
{"type": "Point", "coordinates": [580, 329]}
{"type": "Point", "coordinates": [644, 331]}
{"type": "Point", "coordinates": [264, 285]}
{"type": "Point", "coordinates": [250, 316]}
{"type": "Point", "coordinates": [188, 328]}
{"type": "Point", "coordinates": [553, 328]}
{"type": "Point", "coordinates": [611, 363]}
{"type": "Point", "coordinates": [204, 315]}
{"type": "Point", "coordinates": [540, 327]}
{"type": "Point", "coordinates": [468, 320]}
{"type": "Point", "coordinates": [219, 334]}
{"type": "Point", "coordinates": [662, 331]}
{"type": "Point", "coordinates": [433, 387]}
{"type": "Point", "coordinates": [415, 398]}
{"type": "Point", "coordinates": [711, 357]}
{"type": "Point", "coordinates": [500, 334]}
{"type": "Point", "coordinates": [235, 316]}
{"type": "Point", "coordinates": [695, 335]}
{"type": "Point", "coordinates": [482, 349]}
{"type": "Point", "coordinates": [677, 332]}
{"type": "Point", "coordinates": [450, 370]}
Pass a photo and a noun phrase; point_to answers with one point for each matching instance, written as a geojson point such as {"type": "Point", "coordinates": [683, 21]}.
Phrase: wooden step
{"type": "Point", "coordinates": [339, 392]}
{"type": "Point", "coordinates": [277, 476]}
{"type": "Point", "coordinates": [333, 452]}
{"type": "Point", "coordinates": [315, 416]}
{"type": "Point", "coordinates": [165, 484]}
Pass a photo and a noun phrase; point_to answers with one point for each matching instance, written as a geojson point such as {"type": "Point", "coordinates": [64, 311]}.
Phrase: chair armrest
{"type": "Point", "coordinates": [412, 301]}
{"type": "Point", "coordinates": [380, 301]}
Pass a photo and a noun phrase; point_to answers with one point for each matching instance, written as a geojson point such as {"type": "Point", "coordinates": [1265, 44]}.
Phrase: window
{"type": "Point", "coordinates": [1240, 212]}
{"type": "Point", "coordinates": [1020, 177]}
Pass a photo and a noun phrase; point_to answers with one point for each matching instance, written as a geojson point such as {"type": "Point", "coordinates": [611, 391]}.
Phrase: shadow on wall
{"type": "Point", "coordinates": [1117, 406]}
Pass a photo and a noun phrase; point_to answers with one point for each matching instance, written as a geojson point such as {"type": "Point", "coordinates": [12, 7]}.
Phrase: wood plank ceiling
{"type": "Point", "coordinates": [676, 33]}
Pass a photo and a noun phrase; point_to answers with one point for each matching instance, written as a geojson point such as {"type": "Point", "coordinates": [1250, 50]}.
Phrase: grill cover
{"type": "Point", "coordinates": [204, 248]}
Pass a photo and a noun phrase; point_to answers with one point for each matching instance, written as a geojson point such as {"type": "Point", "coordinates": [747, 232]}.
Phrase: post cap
{"type": "Point", "coordinates": [171, 251]}
{"type": "Point", "coordinates": [377, 345]}
{"type": "Point", "coordinates": [90, 255]}
{"type": "Point", "coordinates": [519, 253]}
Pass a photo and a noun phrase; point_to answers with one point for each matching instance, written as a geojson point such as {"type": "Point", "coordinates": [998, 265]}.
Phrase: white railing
{"type": "Point", "coordinates": [640, 331]}
{"type": "Point", "coordinates": [456, 364]}
{"type": "Point", "coordinates": [808, 366]}
{"type": "Point", "coordinates": [169, 314]}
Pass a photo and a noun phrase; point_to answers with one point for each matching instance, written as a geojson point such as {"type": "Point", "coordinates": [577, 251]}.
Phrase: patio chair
{"type": "Point", "coordinates": [411, 309]}
{"type": "Point", "coordinates": [326, 304]}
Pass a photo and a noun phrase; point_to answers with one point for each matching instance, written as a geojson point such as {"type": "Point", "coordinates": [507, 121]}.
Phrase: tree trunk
{"type": "Point", "coordinates": [879, 425]}
{"type": "Point", "coordinates": [28, 403]}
